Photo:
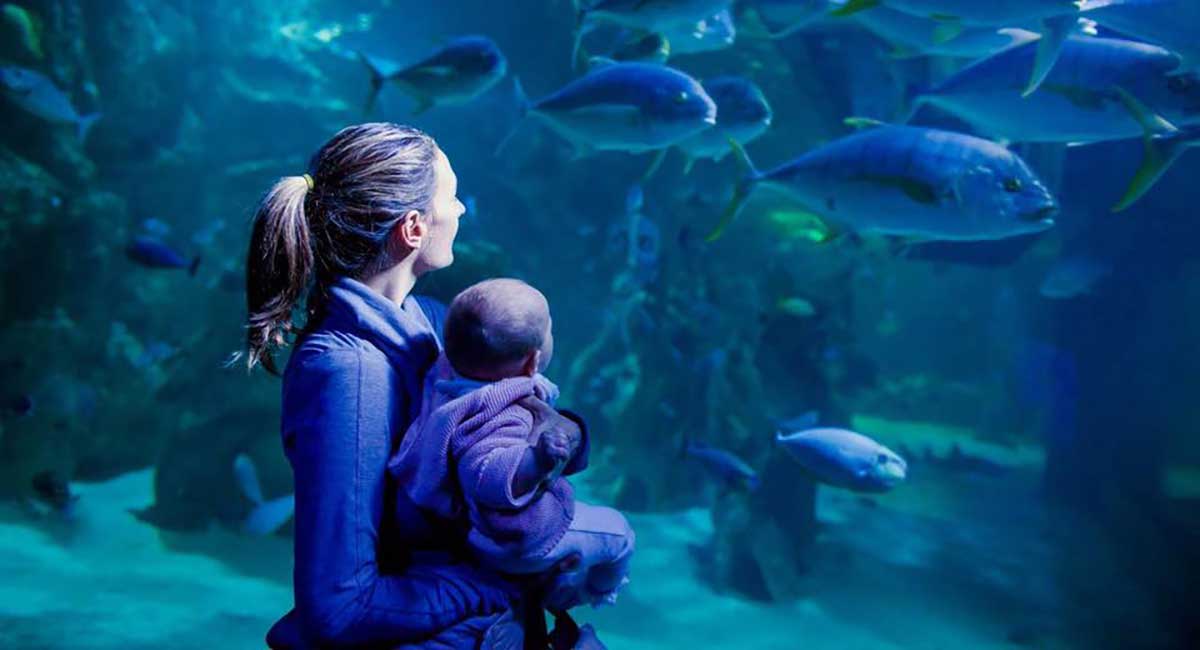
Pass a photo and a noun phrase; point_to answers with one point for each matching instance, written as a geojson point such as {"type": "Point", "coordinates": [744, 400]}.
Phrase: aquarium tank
{"type": "Point", "coordinates": [880, 319]}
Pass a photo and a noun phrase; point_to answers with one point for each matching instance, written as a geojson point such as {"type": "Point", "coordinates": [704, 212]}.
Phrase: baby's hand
{"type": "Point", "coordinates": [555, 447]}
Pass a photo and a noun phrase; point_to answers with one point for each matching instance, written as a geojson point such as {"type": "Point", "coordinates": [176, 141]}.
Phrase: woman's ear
{"type": "Point", "coordinates": [410, 230]}
{"type": "Point", "coordinates": [532, 363]}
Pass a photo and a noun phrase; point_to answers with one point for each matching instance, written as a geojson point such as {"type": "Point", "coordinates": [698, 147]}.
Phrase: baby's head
{"type": "Point", "coordinates": [499, 328]}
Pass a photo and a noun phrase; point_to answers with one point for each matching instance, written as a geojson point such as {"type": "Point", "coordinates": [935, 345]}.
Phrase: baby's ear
{"type": "Point", "coordinates": [530, 366]}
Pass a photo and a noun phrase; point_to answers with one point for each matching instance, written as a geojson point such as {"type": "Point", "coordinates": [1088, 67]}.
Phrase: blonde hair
{"type": "Point", "coordinates": [363, 182]}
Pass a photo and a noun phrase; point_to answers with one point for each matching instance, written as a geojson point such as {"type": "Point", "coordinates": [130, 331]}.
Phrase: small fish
{"type": "Point", "coordinates": [633, 107]}
{"type": "Point", "coordinates": [53, 490]}
{"type": "Point", "coordinates": [456, 74]}
{"type": "Point", "coordinates": [36, 94]}
{"type": "Point", "coordinates": [20, 405]}
{"type": "Point", "coordinates": [1173, 24]}
{"type": "Point", "coordinates": [1073, 277]}
{"type": "Point", "coordinates": [723, 464]}
{"type": "Point", "coordinates": [153, 253]}
{"type": "Point", "coordinates": [18, 22]}
{"type": "Point", "coordinates": [266, 517]}
{"type": "Point", "coordinates": [912, 181]}
{"type": "Point", "coordinates": [710, 34]}
{"type": "Point", "coordinates": [743, 114]}
{"type": "Point", "coordinates": [1058, 20]}
{"type": "Point", "coordinates": [641, 15]}
{"type": "Point", "coordinates": [651, 48]}
{"type": "Point", "coordinates": [846, 459]}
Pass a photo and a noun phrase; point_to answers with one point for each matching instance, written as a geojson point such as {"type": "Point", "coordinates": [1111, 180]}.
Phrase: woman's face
{"type": "Point", "coordinates": [437, 250]}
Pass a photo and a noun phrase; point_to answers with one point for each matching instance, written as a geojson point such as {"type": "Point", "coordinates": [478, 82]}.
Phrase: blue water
{"type": "Point", "coordinates": [1053, 484]}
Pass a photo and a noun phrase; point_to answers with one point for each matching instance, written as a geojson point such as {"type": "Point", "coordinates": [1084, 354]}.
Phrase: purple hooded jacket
{"type": "Point", "coordinates": [352, 386]}
{"type": "Point", "coordinates": [458, 460]}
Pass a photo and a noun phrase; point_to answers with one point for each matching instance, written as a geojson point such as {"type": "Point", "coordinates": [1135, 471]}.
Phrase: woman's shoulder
{"type": "Point", "coordinates": [335, 349]}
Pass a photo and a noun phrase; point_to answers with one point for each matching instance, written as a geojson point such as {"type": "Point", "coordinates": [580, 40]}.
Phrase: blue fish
{"type": "Point", "coordinates": [155, 254]}
{"type": "Point", "coordinates": [710, 34]}
{"type": "Point", "coordinates": [725, 465]}
{"type": "Point", "coordinates": [642, 15]}
{"type": "Point", "coordinates": [913, 36]}
{"type": "Point", "coordinates": [743, 114]}
{"type": "Point", "coordinates": [909, 181]}
{"type": "Point", "coordinates": [1058, 20]}
{"type": "Point", "coordinates": [1173, 24]}
{"type": "Point", "coordinates": [846, 459]}
{"type": "Point", "coordinates": [36, 94]}
{"type": "Point", "coordinates": [651, 48]}
{"type": "Point", "coordinates": [456, 74]}
{"type": "Point", "coordinates": [1079, 101]}
{"type": "Point", "coordinates": [633, 107]}
{"type": "Point", "coordinates": [265, 516]}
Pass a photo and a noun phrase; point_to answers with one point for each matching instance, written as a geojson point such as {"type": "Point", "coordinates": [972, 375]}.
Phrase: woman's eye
{"type": "Point", "coordinates": [1012, 185]}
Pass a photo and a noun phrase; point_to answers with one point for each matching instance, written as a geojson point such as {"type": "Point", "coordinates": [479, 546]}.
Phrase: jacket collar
{"type": "Point", "coordinates": [401, 331]}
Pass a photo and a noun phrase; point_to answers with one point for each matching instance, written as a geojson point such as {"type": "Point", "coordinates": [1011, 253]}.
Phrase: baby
{"type": "Point", "coordinates": [472, 456]}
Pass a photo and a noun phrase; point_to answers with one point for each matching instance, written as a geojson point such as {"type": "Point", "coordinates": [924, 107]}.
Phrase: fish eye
{"type": "Point", "coordinates": [1012, 185]}
{"type": "Point", "coordinates": [682, 97]}
{"type": "Point", "coordinates": [882, 459]}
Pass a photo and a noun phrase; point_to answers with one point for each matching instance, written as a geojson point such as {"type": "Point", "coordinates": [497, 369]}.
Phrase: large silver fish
{"type": "Point", "coordinates": [846, 459]}
{"type": "Point", "coordinates": [1173, 24]}
{"type": "Point", "coordinates": [913, 36]}
{"type": "Point", "coordinates": [463, 69]}
{"type": "Point", "coordinates": [633, 107]}
{"type": "Point", "coordinates": [643, 15]}
{"type": "Point", "coordinates": [1058, 19]}
{"type": "Point", "coordinates": [36, 94]}
{"type": "Point", "coordinates": [909, 181]}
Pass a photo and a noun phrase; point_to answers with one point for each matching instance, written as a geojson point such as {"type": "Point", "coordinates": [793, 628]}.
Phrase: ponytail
{"type": "Point", "coordinates": [278, 270]}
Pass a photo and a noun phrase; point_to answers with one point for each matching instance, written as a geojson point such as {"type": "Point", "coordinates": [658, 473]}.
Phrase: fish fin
{"type": "Point", "coordinates": [903, 53]}
{"type": "Point", "coordinates": [863, 123]}
{"type": "Point", "coordinates": [85, 124]}
{"type": "Point", "coordinates": [854, 6]}
{"type": "Point", "coordinates": [194, 265]}
{"type": "Point", "coordinates": [269, 516]}
{"type": "Point", "coordinates": [947, 31]}
{"type": "Point", "coordinates": [375, 67]}
{"type": "Point", "coordinates": [247, 478]}
{"type": "Point", "coordinates": [1016, 36]}
{"type": "Point", "coordinates": [1151, 122]}
{"type": "Point", "coordinates": [522, 102]}
{"type": "Point", "coordinates": [1055, 31]}
{"type": "Point", "coordinates": [914, 98]}
{"type": "Point", "coordinates": [597, 62]}
{"type": "Point", "coordinates": [1159, 153]}
{"type": "Point", "coordinates": [688, 164]}
{"type": "Point", "coordinates": [657, 162]}
{"type": "Point", "coordinates": [741, 190]}
{"type": "Point", "coordinates": [578, 56]}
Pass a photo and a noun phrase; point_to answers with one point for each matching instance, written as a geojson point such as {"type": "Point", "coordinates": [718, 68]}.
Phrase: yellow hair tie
{"type": "Point", "coordinates": [309, 180]}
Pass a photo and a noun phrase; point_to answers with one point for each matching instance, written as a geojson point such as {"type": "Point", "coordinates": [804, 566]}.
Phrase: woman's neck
{"type": "Point", "coordinates": [395, 283]}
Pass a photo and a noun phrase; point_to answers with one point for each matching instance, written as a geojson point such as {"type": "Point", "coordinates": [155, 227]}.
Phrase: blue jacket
{"type": "Point", "coordinates": [351, 388]}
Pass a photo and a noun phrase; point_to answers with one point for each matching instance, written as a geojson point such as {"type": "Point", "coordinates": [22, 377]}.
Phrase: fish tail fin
{"type": "Point", "coordinates": [523, 105]}
{"type": "Point", "coordinates": [914, 98]}
{"type": "Point", "coordinates": [194, 265]}
{"type": "Point", "coordinates": [247, 478]}
{"type": "Point", "coordinates": [85, 124]}
{"type": "Point", "coordinates": [377, 80]}
{"type": "Point", "coordinates": [269, 516]}
{"type": "Point", "coordinates": [741, 191]}
{"type": "Point", "coordinates": [852, 7]}
{"type": "Point", "coordinates": [1054, 34]}
{"type": "Point", "coordinates": [1159, 153]}
{"type": "Point", "coordinates": [1162, 145]}
{"type": "Point", "coordinates": [688, 164]}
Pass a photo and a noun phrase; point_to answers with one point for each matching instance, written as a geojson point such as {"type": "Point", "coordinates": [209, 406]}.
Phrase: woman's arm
{"type": "Point", "coordinates": [338, 414]}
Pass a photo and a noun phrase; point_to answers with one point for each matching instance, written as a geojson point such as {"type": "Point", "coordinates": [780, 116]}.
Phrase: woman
{"type": "Point", "coordinates": [376, 211]}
